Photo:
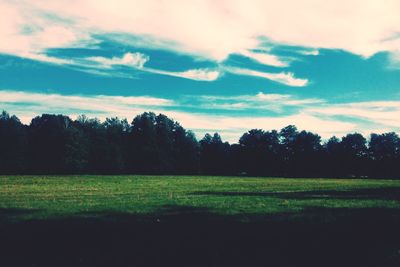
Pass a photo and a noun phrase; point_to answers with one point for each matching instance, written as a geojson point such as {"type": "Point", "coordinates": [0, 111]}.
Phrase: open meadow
{"type": "Point", "coordinates": [198, 221]}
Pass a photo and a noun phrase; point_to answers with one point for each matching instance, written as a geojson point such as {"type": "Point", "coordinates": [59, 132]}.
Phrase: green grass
{"type": "Point", "coordinates": [198, 221]}
{"type": "Point", "coordinates": [49, 197]}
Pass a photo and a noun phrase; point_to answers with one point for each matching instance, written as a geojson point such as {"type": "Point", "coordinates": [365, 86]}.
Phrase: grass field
{"type": "Point", "coordinates": [198, 221]}
{"type": "Point", "coordinates": [44, 197]}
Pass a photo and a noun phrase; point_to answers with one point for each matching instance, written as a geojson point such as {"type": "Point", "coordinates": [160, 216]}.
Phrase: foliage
{"type": "Point", "coordinates": [156, 144]}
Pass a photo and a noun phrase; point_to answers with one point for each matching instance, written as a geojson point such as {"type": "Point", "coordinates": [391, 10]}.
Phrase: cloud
{"type": "Point", "coordinates": [136, 60]}
{"type": "Point", "coordinates": [192, 74]}
{"type": "Point", "coordinates": [395, 60]}
{"type": "Point", "coordinates": [286, 78]}
{"type": "Point", "coordinates": [322, 118]}
{"type": "Point", "coordinates": [272, 102]}
{"type": "Point", "coordinates": [27, 105]}
{"type": "Point", "coordinates": [48, 59]}
{"type": "Point", "coordinates": [385, 113]}
{"type": "Point", "coordinates": [27, 31]}
{"type": "Point", "coordinates": [314, 52]}
{"type": "Point", "coordinates": [236, 126]}
{"type": "Point", "coordinates": [265, 58]}
{"type": "Point", "coordinates": [76, 101]}
{"type": "Point", "coordinates": [98, 65]}
{"type": "Point", "coordinates": [213, 29]}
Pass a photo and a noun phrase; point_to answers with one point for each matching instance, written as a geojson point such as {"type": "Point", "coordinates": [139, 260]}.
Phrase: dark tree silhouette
{"type": "Point", "coordinates": [331, 157]}
{"type": "Point", "coordinates": [260, 147]}
{"type": "Point", "coordinates": [94, 144]}
{"type": "Point", "coordinates": [143, 151]}
{"type": "Point", "coordinates": [287, 138]}
{"type": "Point", "coordinates": [116, 132]}
{"type": "Point", "coordinates": [353, 152]}
{"type": "Point", "coordinates": [306, 154]}
{"type": "Point", "coordinates": [186, 151]}
{"type": "Point", "coordinates": [76, 150]}
{"type": "Point", "coordinates": [52, 144]}
{"type": "Point", "coordinates": [214, 155]}
{"type": "Point", "coordinates": [384, 152]}
{"type": "Point", "coordinates": [160, 145]}
{"type": "Point", "coordinates": [156, 144]}
{"type": "Point", "coordinates": [13, 144]}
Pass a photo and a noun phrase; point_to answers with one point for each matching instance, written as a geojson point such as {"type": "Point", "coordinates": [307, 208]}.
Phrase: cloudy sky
{"type": "Point", "coordinates": [332, 67]}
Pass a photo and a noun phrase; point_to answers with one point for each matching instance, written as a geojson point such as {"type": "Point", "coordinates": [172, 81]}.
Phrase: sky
{"type": "Point", "coordinates": [331, 67]}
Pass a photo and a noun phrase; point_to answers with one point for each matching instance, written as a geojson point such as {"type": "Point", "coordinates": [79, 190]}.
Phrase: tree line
{"type": "Point", "coordinates": [156, 144]}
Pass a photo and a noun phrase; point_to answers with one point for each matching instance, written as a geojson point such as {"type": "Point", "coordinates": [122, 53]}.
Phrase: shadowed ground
{"type": "Point", "coordinates": [387, 193]}
{"type": "Point", "coordinates": [318, 234]}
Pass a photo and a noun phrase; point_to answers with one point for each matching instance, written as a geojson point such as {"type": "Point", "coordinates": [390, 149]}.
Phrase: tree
{"type": "Point", "coordinates": [165, 140]}
{"type": "Point", "coordinates": [96, 146]}
{"type": "Point", "coordinates": [13, 144]}
{"type": "Point", "coordinates": [213, 155]}
{"type": "Point", "coordinates": [306, 154]}
{"type": "Point", "coordinates": [158, 144]}
{"type": "Point", "coordinates": [54, 145]}
{"type": "Point", "coordinates": [116, 131]}
{"type": "Point", "coordinates": [143, 149]}
{"type": "Point", "coordinates": [287, 137]}
{"type": "Point", "coordinates": [384, 152]}
{"type": "Point", "coordinates": [332, 161]}
{"type": "Point", "coordinates": [186, 151]}
{"type": "Point", "coordinates": [353, 152]}
{"type": "Point", "coordinates": [76, 150]}
{"type": "Point", "coordinates": [260, 152]}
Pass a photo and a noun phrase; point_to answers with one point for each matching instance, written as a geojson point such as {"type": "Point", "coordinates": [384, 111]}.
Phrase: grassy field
{"type": "Point", "coordinates": [198, 221]}
{"type": "Point", "coordinates": [44, 197]}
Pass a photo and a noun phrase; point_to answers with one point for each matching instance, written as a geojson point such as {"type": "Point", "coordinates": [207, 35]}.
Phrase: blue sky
{"type": "Point", "coordinates": [226, 66]}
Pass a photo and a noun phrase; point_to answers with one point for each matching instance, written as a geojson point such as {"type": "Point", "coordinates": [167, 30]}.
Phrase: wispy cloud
{"type": "Point", "coordinates": [192, 74]}
{"type": "Point", "coordinates": [136, 60]}
{"type": "Point", "coordinates": [229, 28]}
{"type": "Point", "coordinates": [27, 104]}
{"type": "Point", "coordinates": [261, 101]}
{"type": "Point", "coordinates": [265, 58]}
{"type": "Point", "coordinates": [394, 59]}
{"type": "Point", "coordinates": [286, 78]}
{"type": "Point", "coordinates": [26, 30]}
{"type": "Point", "coordinates": [106, 66]}
{"type": "Point", "coordinates": [235, 126]}
{"type": "Point", "coordinates": [322, 118]}
{"type": "Point", "coordinates": [311, 52]}
{"type": "Point", "coordinates": [385, 113]}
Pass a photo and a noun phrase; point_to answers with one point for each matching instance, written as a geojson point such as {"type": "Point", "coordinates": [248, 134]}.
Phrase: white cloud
{"type": "Point", "coordinates": [48, 59]}
{"type": "Point", "coordinates": [287, 100]}
{"type": "Point", "coordinates": [136, 60]}
{"type": "Point", "coordinates": [265, 58]}
{"type": "Point", "coordinates": [33, 104]}
{"type": "Point", "coordinates": [260, 101]}
{"type": "Point", "coordinates": [192, 74]}
{"type": "Point", "coordinates": [395, 59]}
{"type": "Point", "coordinates": [286, 78]}
{"type": "Point", "coordinates": [236, 126]}
{"type": "Point", "coordinates": [209, 28]}
{"type": "Point", "coordinates": [386, 113]}
{"type": "Point", "coordinates": [322, 118]}
{"type": "Point", "coordinates": [200, 74]}
{"type": "Point", "coordinates": [27, 31]}
{"type": "Point", "coordinates": [313, 52]}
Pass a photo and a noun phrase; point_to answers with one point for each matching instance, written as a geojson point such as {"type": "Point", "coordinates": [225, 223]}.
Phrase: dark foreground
{"type": "Point", "coordinates": [185, 237]}
{"type": "Point", "coordinates": [198, 221]}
